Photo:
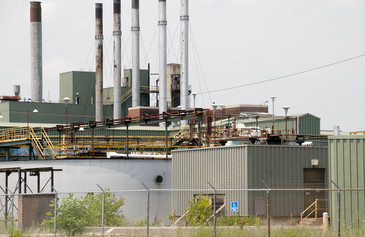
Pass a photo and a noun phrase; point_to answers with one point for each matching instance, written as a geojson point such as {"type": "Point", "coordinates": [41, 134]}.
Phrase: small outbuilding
{"type": "Point", "coordinates": [251, 167]}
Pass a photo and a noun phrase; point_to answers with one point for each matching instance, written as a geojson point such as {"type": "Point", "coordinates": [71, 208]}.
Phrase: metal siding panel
{"type": "Point", "coordinates": [347, 181]}
{"type": "Point", "coordinates": [331, 175]}
{"type": "Point", "coordinates": [361, 176]}
{"type": "Point", "coordinates": [348, 151]}
{"type": "Point", "coordinates": [354, 180]}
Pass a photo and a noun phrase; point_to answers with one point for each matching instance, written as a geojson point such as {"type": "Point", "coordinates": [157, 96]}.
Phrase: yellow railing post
{"type": "Point", "coordinates": [316, 209]}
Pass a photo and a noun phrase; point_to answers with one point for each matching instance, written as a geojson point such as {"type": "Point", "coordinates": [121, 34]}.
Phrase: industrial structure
{"type": "Point", "coordinates": [100, 135]}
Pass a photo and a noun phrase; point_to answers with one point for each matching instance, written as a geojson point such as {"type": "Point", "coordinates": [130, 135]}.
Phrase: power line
{"type": "Point", "coordinates": [285, 76]}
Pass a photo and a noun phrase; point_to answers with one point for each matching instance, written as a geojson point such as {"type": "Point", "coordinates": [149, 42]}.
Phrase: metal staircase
{"type": "Point", "coordinates": [314, 208]}
{"type": "Point", "coordinates": [42, 144]}
{"type": "Point", "coordinates": [147, 89]}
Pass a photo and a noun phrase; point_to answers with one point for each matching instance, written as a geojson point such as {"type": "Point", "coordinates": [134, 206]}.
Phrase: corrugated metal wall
{"type": "Point", "coordinates": [246, 167]}
{"type": "Point", "coordinates": [222, 167]}
{"type": "Point", "coordinates": [309, 124]}
{"type": "Point", "coordinates": [347, 170]}
{"type": "Point", "coordinates": [279, 123]}
{"type": "Point", "coordinates": [306, 123]}
{"type": "Point", "coordinates": [282, 167]}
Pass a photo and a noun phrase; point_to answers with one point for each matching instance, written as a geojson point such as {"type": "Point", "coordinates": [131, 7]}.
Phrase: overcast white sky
{"type": "Point", "coordinates": [233, 43]}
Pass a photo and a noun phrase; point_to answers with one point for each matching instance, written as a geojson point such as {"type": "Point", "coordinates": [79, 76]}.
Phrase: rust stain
{"type": "Point", "coordinates": [35, 12]}
{"type": "Point", "coordinates": [116, 7]}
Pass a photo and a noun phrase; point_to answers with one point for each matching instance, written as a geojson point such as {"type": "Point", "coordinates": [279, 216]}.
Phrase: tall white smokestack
{"type": "Point", "coordinates": [99, 62]}
{"type": "Point", "coordinates": [36, 51]}
{"type": "Point", "coordinates": [135, 55]}
{"type": "Point", "coordinates": [117, 61]}
{"type": "Point", "coordinates": [162, 23]}
{"type": "Point", "coordinates": [184, 80]}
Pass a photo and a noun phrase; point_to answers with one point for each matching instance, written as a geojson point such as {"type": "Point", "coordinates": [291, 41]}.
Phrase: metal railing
{"type": "Point", "coordinates": [315, 210]}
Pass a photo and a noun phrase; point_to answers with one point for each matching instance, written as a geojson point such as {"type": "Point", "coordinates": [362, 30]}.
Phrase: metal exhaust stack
{"type": "Point", "coordinates": [117, 34]}
{"type": "Point", "coordinates": [162, 23]}
{"type": "Point", "coordinates": [184, 81]}
{"type": "Point", "coordinates": [135, 55]}
{"type": "Point", "coordinates": [99, 62]}
{"type": "Point", "coordinates": [36, 51]}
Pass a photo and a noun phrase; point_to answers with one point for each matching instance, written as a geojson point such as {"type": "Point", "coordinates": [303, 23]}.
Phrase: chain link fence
{"type": "Point", "coordinates": [162, 212]}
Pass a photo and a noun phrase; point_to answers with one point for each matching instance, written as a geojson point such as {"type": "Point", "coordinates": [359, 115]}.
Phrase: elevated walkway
{"type": "Point", "coordinates": [36, 139]}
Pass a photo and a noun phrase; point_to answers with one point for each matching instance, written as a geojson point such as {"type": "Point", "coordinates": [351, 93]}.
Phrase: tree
{"type": "Point", "coordinates": [75, 214]}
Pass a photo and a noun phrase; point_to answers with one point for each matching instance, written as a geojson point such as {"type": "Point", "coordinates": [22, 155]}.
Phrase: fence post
{"type": "Point", "coordinates": [214, 216]}
{"type": "Point", "coordinates": [12, 213]}
{"type": "Point", "coordinates": [55, 212]}
{"type": "Point", "coordinates": [338, 207]}
{"type": "Point", "coordinates": [148, 209]}
{"type": "Point", "coordinates": [102, 211]}
{"type": "Point", "coordinates": [268, 208]}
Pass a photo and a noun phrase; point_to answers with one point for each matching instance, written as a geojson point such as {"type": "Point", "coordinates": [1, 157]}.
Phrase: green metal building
{"type": "Point", "coordinates": [75, 82]}
{"type": "Point", "coordinates": [301, 124]}
{"type": "Point", "coordinates": [347, 170]}
{"type": "Point", "coordinates": [22, 112]}
{"type": "Point", "coordinates": [108, 93]}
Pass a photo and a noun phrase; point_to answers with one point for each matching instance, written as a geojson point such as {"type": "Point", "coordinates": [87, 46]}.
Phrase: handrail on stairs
{"type": "Point", "coordinates": [49, 143]}
{"type": "Point", "coordinates": [34, 137]}
{"type": "Point", "coordinates": [315, 210]}
{"type": "Point", "coordinates": [35, 140]}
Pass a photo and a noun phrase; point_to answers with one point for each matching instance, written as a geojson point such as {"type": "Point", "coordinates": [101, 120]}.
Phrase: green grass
{"type": "Point", "coordinates": [221, 232]}
{"type": "Point", "coordinates": [295, 232]}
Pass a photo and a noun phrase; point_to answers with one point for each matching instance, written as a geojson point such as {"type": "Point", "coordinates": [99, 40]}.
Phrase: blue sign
{"type": "Point", "coordinates": [234, 206]}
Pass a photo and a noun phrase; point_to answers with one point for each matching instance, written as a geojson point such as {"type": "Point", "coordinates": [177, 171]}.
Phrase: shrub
{"type": "Point", "coordinates": [198, 212]}
{"type": "Point", "coordinates": [75, 214]}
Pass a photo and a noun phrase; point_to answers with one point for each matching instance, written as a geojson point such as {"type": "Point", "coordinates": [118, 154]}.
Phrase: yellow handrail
{"type": "Point", "coordinates": [49, 143]}
{"type": "Point", "coordinates": [35, 140]}
{"type": "Point", "coordinates": [315, 204]}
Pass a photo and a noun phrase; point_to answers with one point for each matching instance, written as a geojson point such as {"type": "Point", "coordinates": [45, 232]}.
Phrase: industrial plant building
{"type": "Point", "coordinates": [116, 138]}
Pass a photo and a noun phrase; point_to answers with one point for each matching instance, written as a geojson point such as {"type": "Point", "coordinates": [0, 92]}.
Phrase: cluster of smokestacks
{"type": "Point", "coordinates": [36, 56]}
